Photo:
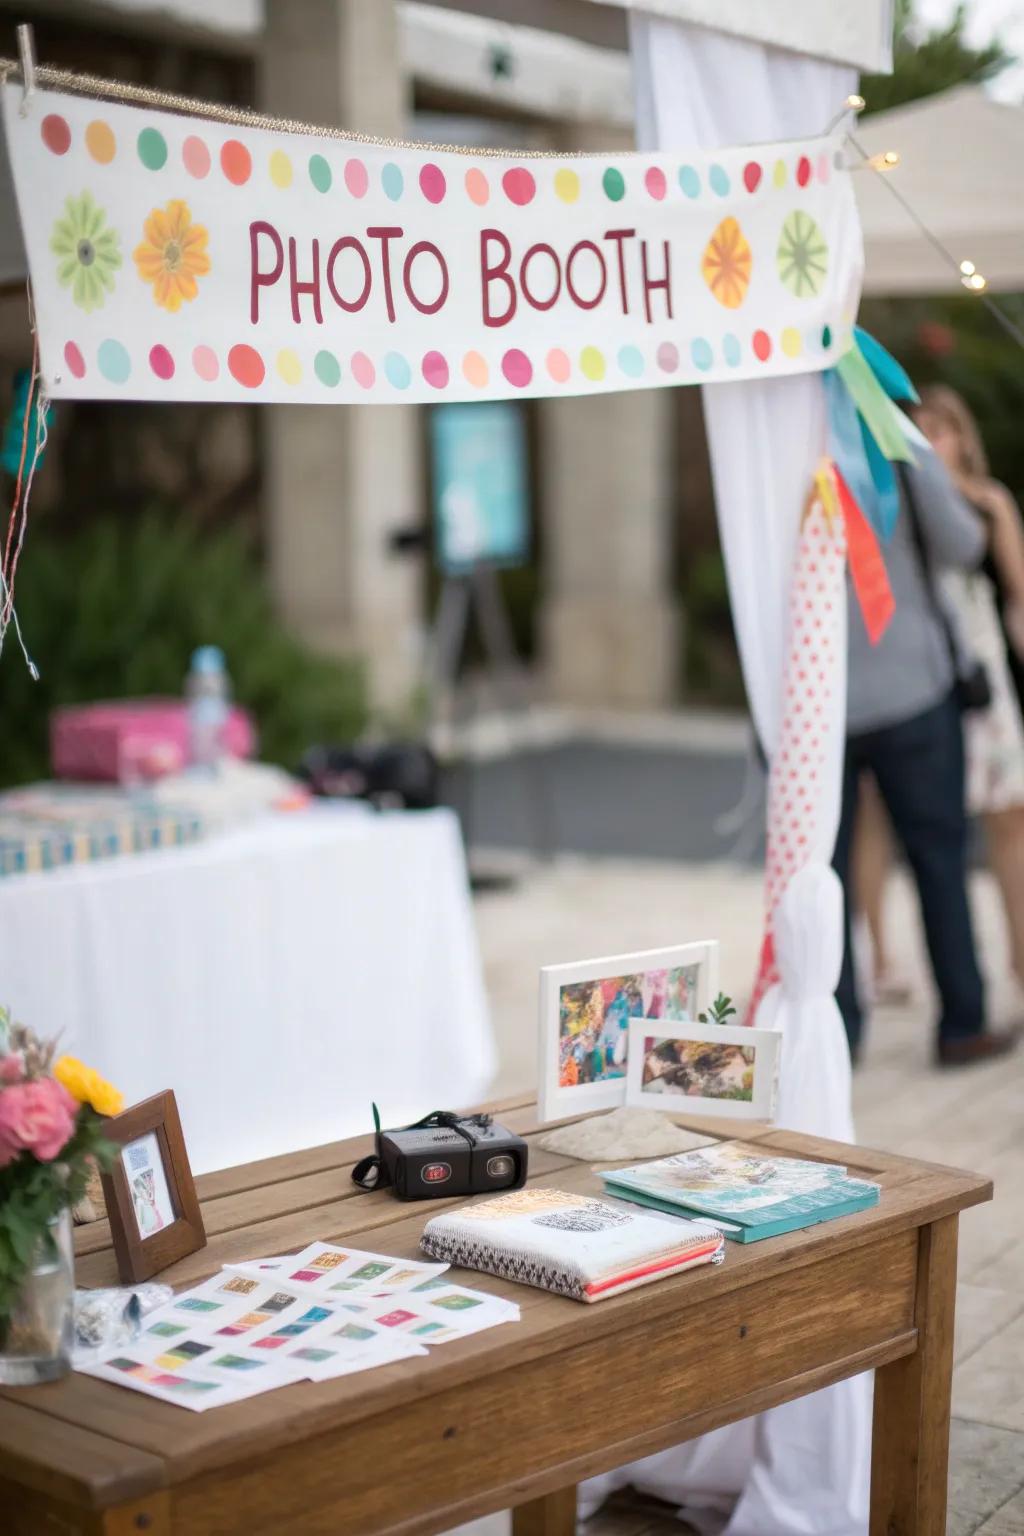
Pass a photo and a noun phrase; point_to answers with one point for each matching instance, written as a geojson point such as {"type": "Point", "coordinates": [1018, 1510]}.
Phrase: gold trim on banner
{"type": "Point", "coordinates": [189, 106]}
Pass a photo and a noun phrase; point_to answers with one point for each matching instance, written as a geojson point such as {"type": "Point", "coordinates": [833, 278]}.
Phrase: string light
{"type": "Point", "coordinates": [967, 272]}
{"type": "Point", "coordinates": [884, 162]}
{"type": "Point", "coordinates": [853, 103]}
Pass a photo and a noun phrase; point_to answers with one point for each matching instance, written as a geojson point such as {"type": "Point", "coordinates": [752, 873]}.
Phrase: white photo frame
{"type": "Point", "coordinates": [740, 1079]}
{"type": "Point", "coordinates": [676, 983]}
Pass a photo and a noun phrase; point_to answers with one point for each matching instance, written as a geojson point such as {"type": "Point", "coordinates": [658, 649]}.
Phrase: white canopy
{"type": "Point", "coordinates": [962, 171]}
{"type": "Point", "coordinates": [857, 32]}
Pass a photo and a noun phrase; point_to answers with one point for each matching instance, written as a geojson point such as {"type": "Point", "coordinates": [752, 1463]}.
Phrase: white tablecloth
{"type": "Point", "coordinates": [278, 978]}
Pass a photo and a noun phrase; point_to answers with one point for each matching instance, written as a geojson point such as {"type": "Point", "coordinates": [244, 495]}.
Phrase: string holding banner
{"type": "Point", "coordinates": [178, 258]}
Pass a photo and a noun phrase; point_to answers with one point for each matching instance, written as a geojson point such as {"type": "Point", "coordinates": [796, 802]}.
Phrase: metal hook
{"type": "Point", "coordinates": [27, 55]}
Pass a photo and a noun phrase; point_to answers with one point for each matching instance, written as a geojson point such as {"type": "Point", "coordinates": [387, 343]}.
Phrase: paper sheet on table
{"type": "Point", "coordinates": [326, 1270]}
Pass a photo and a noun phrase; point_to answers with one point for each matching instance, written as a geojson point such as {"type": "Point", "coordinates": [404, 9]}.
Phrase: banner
{"type": "Point", "coordinates": [174, 258]}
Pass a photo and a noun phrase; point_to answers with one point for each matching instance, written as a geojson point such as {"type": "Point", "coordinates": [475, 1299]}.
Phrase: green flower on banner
{"type": "Point", "coordinates": [802, 256]}
{"type": "Point", "coordinates": [88, 250]}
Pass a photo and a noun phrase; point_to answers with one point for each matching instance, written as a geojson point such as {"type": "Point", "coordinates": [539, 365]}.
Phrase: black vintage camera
{"type": "Point", "coordinates": [443, 1155]}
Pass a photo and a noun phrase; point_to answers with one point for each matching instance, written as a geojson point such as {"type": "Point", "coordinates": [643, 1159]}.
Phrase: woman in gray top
{"type": "Point", "coordinates": [904, 725]}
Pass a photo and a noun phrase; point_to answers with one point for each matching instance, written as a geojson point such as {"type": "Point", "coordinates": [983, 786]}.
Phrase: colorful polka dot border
{"type": "Point", "coordinates": [517, 184]}
{"type": "Point", "coordinates": [250, 368]}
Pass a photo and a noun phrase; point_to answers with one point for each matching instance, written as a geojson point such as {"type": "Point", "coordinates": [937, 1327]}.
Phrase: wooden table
{"type": "Point", "coordinates": [516, 1416]}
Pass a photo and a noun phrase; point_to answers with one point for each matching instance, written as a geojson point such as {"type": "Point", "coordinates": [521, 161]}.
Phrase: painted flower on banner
{"type": "Point", "coordinates": [88, 250]}
{"type": "Point", "coordinates": [802, 256]}
{"type": "Point", "coordinates": [726, 264]}
{"type": "Point", "coordinates": [173, 255]}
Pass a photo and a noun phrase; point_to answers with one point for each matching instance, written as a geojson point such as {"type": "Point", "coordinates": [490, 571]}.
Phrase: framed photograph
{"type": "Point", "coordinates": [708, 1069]}
{"type": "Point", "coordinates": [150, 1193]}
{"type": "Point", "coordinates": [585, 1012]}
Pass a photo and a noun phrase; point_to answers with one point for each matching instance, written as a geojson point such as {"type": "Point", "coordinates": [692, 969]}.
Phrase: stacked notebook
{"type": "Point", "coordinates": [570, 1244]}
{"type": "Point", "coordinates": [748, 1196]}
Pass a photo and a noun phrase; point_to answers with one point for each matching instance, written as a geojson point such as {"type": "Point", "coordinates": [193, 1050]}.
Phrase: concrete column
{"type": "Point", "coordinates": [338, 478]}
{"type": "Point", "coordinates": [609, 618]}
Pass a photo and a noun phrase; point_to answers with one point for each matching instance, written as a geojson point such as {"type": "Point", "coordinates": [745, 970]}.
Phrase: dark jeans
{"type": "Point", "coordinates": [919, 768]}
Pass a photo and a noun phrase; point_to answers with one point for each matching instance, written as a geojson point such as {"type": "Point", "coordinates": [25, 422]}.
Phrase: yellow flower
{"type": "Point", "coordinates": [172, 255]}
{"type": "Point", "coordinates": [85, 1084]}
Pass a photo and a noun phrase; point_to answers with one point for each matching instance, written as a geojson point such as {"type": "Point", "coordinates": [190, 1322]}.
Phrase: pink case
{"type": "Point", "coordinates": [133, 738]}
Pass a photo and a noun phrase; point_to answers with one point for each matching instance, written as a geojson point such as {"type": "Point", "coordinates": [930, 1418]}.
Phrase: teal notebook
{"type": "Point", "coordinates": [750, 1196]}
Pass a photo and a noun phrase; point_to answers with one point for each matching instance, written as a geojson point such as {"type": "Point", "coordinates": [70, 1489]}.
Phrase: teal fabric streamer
{"type": "Point", "coordinates": [892, 376]}
{"type": "Point", "coordinates": [846, 443]}
{"type": "Point", "coordinates": [884, 508]}
{"type": "Point", "coordinates": [867, 430]}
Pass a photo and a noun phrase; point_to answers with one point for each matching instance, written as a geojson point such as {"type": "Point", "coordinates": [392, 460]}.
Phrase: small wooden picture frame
{"type": "Point", "coordinates": [150, 1193]}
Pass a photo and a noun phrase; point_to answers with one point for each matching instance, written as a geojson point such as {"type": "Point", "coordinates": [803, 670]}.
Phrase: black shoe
{"type": "Point", "coordinates": [974, 1049]}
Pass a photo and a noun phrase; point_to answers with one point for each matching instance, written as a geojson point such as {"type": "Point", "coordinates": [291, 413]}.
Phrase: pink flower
{"type": "Point", "coordinates": [36, 1117]}
{"type": "Point", "coordinates": [12, 1068]}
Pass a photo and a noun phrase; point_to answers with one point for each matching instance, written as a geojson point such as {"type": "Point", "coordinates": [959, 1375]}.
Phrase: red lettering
{"type": "Point", "coordinates": [425, 248]}
{"type": "Point", "coordinates": [619, 235]}
{"type": "Point", "coordinates": [297, 288]}
{"type": "Point", "coordinates": [349, 243]}
{"type": "Point", "coordinates": [651, 283]}
{"type": "Point", "coordinates": [499, 273]}
{"type": "Point", "coordinates": [385, 233]}
{"type": "Point", "coordinates": [540, 250]}
{"type": "Point", "coordinates": [585, 245]}
{"type": "Point", "coordinates": [257, 278]}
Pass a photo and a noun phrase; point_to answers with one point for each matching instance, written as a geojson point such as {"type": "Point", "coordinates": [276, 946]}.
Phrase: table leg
{"type": "Point", "coordinates": [910, 1448]}
{"type": "Point", "coordinates": [553, 1515]}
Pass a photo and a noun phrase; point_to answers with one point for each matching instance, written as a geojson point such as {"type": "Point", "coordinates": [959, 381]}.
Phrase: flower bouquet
{"type": "Point", "coordinates": [51, 1132]}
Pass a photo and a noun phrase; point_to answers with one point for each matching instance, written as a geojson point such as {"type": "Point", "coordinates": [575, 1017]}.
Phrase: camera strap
{"type": "Point", "coordinates": [370, 1173]}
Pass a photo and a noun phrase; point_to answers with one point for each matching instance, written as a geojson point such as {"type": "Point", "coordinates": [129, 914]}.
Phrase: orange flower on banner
{"type": "Point", "coordinates": [726, 264]}
{"type": "Point", "coordinates": [172, 255]}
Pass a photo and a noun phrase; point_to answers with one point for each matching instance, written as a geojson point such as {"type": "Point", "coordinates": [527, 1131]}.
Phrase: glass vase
{"type": "Point", "coordinates": [36, 1338]}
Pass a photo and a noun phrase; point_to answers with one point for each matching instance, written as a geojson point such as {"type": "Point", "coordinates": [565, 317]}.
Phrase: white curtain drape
{"type": "Point", "coordinates": [802, 1469]}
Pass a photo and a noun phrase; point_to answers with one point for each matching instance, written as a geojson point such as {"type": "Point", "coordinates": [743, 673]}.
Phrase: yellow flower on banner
{"type": "Point", "coordinates": [726, 264]}
{"type": "Point", "coordinates": [85, 1084]}
{"type": "Point", "coordinates": [172, 255]}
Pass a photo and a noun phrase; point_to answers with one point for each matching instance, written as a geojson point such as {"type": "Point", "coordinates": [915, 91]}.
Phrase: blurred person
{"type": "Point", "coordinates": [904, 726]}
{"type": "Point", "coordinates": [879, 974]}
{"type": "Point", "coordinates": [989, 607]}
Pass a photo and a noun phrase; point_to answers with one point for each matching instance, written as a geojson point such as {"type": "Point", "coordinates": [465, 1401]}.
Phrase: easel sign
{"type": "Point", "coordinates": [481, 510]}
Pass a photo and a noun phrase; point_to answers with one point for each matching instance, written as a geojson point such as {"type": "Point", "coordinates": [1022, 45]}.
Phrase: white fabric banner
{"type": "Point", "coordinates": [174, 258]}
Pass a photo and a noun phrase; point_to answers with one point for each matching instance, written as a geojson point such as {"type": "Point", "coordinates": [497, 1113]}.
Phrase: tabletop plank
{"type": "Point", "coordinates": [89, 1467]}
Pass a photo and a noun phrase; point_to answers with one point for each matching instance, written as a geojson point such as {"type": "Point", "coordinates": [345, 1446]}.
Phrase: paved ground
{"type": "Point", "coordinates": [580, 906]}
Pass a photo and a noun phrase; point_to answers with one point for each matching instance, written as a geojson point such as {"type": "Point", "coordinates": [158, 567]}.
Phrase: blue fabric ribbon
{"type": "Point", "coordinates": [867, 470]}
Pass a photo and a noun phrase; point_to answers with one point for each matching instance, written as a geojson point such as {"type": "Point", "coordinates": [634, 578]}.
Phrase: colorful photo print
{"type": "Point", "coordinates": [198, 1304]}
{"type": "Point", "coordinates": [167, 1330]}
{"type": "Point", "coordinates": [147, 1184]}
{"type": "Point", "coordinates": [397, 1318]}
{"type": "Point", "coordinates": [244, 1324]}
{"type": "Point", "coordinates": [278, 1302]}
{"type": "Point", "coordinates": [371, 1271]}
{"type": "Point", "coordinates": [355, 1331]}
{"type": "Point", "coordinates": [457, 1303]}
{"type": "Point", "coordinates": [586, 1010]}
{"type": "Point", "coordinates": [237, 1363]}
{"type": "Point", "coordinates": [327, 1261]}
{"type": "Point", "coordinates": [239, 1285]}
{"type": "Point", "coordinates": [706, 1069]}
{"type": "Point", "coordinates": [181, 1354]}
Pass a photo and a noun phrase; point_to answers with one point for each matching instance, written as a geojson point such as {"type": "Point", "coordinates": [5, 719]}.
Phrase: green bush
{"type": "Point", "coordinates": [114, 611]}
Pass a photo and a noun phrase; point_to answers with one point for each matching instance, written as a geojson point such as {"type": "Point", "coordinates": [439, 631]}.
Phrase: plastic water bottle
{"type": "Point", "coordinates": [208, 692]}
